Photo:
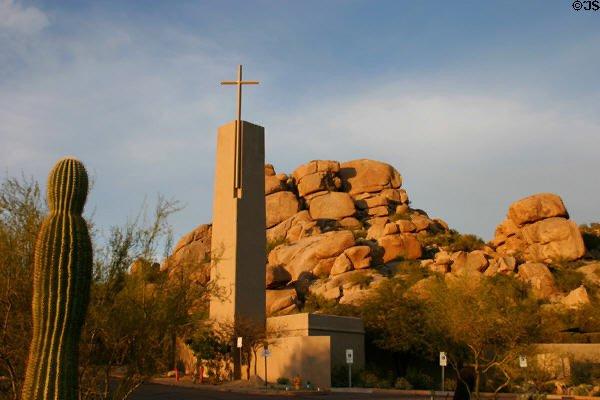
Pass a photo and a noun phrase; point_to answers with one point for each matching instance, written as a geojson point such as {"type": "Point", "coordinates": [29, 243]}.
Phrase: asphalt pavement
{"type": "Point", "coordinates": [152, 391]}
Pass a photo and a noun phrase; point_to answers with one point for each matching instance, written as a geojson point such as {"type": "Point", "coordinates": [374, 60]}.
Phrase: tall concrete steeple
{"type": "Point", "coordinates": [238, 233]}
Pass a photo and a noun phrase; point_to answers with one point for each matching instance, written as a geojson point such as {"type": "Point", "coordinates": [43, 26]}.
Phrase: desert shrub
{"type": "Point", "coordinates": [271, 244]}
{"type": "Point", "coordinates": [548, 387]}
{"type": "Point", "coordinates": [402, 384]}
{"type": "Point", "coordinates": [418, 379]}
{"type": "Point", "coordinates": [315, 302]}
{"type": "Point", "coordinates": [566, 279]}
{"type": "Point", "coordinates": [372, 380]}
{"type": "Point", "coordinates": [584, 373]}
{"type": "Point", "coordinates": [326, 225]}
{"type": "Point", "coordinates": [282, 380]}
{"type": "Point", "coordinates": [450, 384]}
{"type": "Point", "coordinates": [410, 271]}
{"type": "Point", "coordinates": [318, 303]}
{"type": "Point", "coordinates": [452, 240]}
{"type": "Point", "coordinates": [21, 213]}
{"type": "Point", "coordinates": [398, 216]}
{"type": "Point", "coordinates": [591, 236]}
{"type": "Point", "coordinates": [582, 390]}
{"type": "Point", "coordinates": [588, 320]}
{"type": "Point", "coordinates": [321, 274]}
{"type": "Point", "coordinates": [360, 279]}
{"type": "Point", "coordinates": [359, 233]}
{"type": "Point", "coordinates": [532, 396]}
{"type": "Point", "coordinates": [429, 252]}
{"type": "Point", "coordinates": [467, 242]}
{"type": "Point", "coordinates": [339, 376]}
{"type": "Point", "coordinates": [569, 264]}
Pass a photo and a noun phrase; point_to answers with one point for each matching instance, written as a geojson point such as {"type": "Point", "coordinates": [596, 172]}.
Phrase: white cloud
{"type": "Point", "coordinates": [25, 20]}
{"type": "Point", "coordinates": [142, 121]}
{"type": "Point", "coordinates": [464, 155]}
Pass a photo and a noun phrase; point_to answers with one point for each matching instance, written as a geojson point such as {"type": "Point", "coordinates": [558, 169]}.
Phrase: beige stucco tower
{"type": "Point", "coordinates": [238, 233]}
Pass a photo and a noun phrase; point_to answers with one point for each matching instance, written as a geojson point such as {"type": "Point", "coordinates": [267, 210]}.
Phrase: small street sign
{"type": "Point", "coordinates": [239, 342]}
{"type": "Point", "coordinates": [349, 356]}
{"type": "Point", "coordinates": [443, 359]}
{"type": "Point", "coordinates": [266, 352]}
{"type": "Point", "coordinates": [443, 364]}
{"type": "Point", "coordinates": [522, 361]}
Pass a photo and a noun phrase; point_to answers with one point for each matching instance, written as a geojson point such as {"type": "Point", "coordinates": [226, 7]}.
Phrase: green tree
{"type": "Point", "coordinates": [21, 214]}
{"type": "Point", "coordinates": [135, 315]}
{"type": "Point", "coordinates": [484, 322]}
{"type": "Point", "coordinates": [395, 320]}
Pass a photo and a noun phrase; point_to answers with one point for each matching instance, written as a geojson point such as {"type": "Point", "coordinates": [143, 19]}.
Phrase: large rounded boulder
{"type": "Point", "coordinates": [367, 176]}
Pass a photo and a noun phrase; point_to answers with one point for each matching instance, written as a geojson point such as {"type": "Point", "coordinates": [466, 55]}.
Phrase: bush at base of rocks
{"type": "Point", "coordinates": [271, 244]}
{"type": "Point", "coordinates": [408, 268]}
{"type": "Point", "coordinates": [566, 279]}
{"type": "Point", "coordinates": [452, 241]}
{"type": "Point", "coordinates": [402, 384]}
{"type": "Point", "coordinates": [339, 376]}
{"type": "Point", "coordinates": [369, 379]}
{"type": "Point", "coordinates": [418, 379]}
{"type": "Point", "coordinates": [315, 303]}
{"type": "Point", "coordinates": [591, 238]}
{"type": "Point", "coordinates": [583, 373]}
{"type": "Point", "coordinates": [283, 381]}
{"type": "Point", "coordinates": [400, 216]}
{"type": "Point", "coordinates": [361, 280]}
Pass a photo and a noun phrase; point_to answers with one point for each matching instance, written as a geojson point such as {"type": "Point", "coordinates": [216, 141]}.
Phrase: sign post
{"type": "Point", "coordinates": [523, 364]}
{"type": "Point", "coordinates": [443, 364]}
{"type": "Point", "coordinates": [523, 361]}
{"type": "Point", "coordinates": [349, 361]}
{"type": "Point", "coordinates": [266, 353]}
{"type": "Point", "coordinates": [239, 346]}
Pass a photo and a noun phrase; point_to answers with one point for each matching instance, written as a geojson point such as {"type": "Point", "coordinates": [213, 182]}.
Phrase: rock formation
{"type": "Point", "coordinates": [537, 229]}
{"type": "Point", "coordinates": [336, 230]}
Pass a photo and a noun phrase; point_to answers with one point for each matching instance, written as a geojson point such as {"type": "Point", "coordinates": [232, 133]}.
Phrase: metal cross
{"type": "Point", "coordinates": [239, 84]}
{"type": "Point", "coordinates": [237, 179]}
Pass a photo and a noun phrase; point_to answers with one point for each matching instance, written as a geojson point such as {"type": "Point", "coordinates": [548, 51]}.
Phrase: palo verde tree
{"type": "Point", "coordinates": [483, 322]}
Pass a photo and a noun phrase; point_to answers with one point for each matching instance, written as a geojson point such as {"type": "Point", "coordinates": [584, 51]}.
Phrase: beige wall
{"type": "Point", "coordinates": [582, 352]}
{"type": "Point", "coordinates": [304, 356]}
{"type": "Point", "coordinates": [345, 333]}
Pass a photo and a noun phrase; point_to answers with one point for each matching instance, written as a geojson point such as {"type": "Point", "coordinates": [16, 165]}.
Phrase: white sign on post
{"type": "Point", "coordinates": [523, 361]}
{"type": "Point", "coordinates": [239, 342]}
{"type": "Point", "coordinates": [349, 356]}
{"type": "Point", "coordinates": [266, 352]}
{"type": "Point", "coordinates": [443, 359]}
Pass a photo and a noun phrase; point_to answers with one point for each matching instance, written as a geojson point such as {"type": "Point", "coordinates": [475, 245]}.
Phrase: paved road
{"type": "Point", "coordinates": [164, 392]}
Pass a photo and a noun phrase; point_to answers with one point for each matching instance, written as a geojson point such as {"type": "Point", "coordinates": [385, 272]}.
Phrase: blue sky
{"type": "Point", "coordinates": [476, 103]}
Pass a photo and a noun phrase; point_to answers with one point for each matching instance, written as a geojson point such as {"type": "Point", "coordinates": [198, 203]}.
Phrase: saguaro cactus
{"type": "Point", "coordinates": [61, 287]}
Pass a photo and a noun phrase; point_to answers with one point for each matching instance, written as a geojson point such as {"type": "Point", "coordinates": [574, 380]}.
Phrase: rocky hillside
{"type": "Point", "coordinates": [337, 230]}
